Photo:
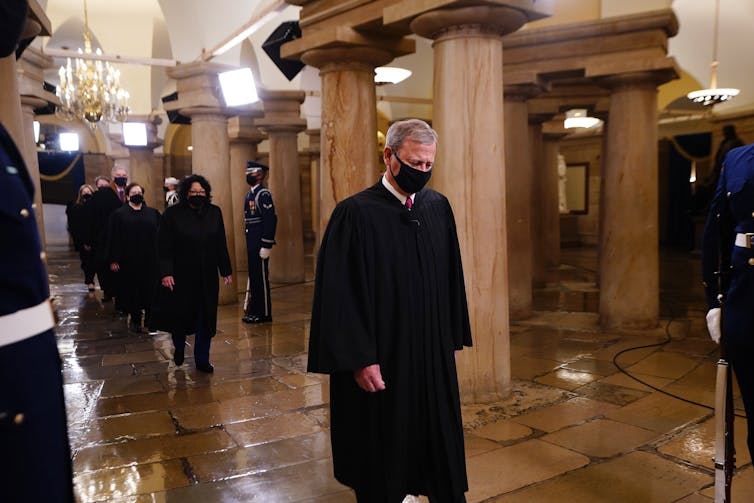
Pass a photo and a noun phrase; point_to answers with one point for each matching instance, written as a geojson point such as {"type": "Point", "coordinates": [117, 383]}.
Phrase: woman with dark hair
{"type": "Point", "coordinates": [192, 250]}
{"type": "Point", "coordinates": [132, 253]}
{"type": "Point", "coordinates": [78, 227]}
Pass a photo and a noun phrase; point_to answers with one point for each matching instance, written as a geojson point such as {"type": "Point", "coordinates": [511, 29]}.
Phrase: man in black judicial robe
{"type": "Point", "coordinates": [389, 312]}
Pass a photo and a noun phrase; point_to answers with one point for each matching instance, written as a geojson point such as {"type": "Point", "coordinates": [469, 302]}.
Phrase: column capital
{"type": "Point", "coordinates": [198, 86]}
{"type": "Point", "coordinates": [642, 78]}
{"type": "Point", "coordinates": [359, 58]}
{"type": "Point", "coordinates": [282, 112]}
{"type": "Point", "coordinates": [315, 146]}
{"type": "Point", "coordinates": [30, 69]}
{"type": "Point", "coordinates": [479, 20]}
{"type": "Point", "coordinates": [242, 129]}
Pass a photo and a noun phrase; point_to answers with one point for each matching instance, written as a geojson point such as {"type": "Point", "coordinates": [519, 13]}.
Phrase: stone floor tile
{"type": "Point", "coordinates": [570, 412]}
{"type": "Point", "coordinates": [566, 378]}
{"type": "Point", "coordinates": [658, 412]}
{"type": "Point", "coordinates": [697, 444]}
{"type": "Point", "coordinates": [129, 426]}
{"type": "Point", "coordinates": [621, 379]}
{"type": "Point", "coordinates": [601, 438]}
{"type": "Point", "coordinates": [117, 483]}
{"type": "Point", "coordinates": [503, 431]}
{"type": "Point", "coordinates": [525, 367]}
{"type": "Point", "coordinates": [475, 445]}
{"type": "Point", "coordinates": [636, 477]}
{"type": "Point", "coordinates": [592, 365]}
{"type": "Point", "coordinates": [741, 488]}
{"type": "Point", "coordinates": [610, 393]}
{"type": "Point", "coordinates": [509, 468]}
{"type": "Point", "coordinates": [269, 429]}
{"type": "Point", "coordinates": [665, 364]}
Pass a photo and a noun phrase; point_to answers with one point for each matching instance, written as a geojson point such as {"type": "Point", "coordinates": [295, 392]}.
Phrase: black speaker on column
{"type": "Point", "coordinates": [286, 32]}
{"type": "Point", "coordinates": [173, 116]}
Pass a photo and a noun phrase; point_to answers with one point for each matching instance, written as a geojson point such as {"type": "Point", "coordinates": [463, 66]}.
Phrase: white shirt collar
{"type": "Point", "coordinates": [392, 190]}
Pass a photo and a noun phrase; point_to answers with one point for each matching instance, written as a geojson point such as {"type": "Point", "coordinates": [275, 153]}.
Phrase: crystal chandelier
{"type": "Point", "coordinates": [91, 90]}
{"type": "Point", "coordinates": [713, 95]}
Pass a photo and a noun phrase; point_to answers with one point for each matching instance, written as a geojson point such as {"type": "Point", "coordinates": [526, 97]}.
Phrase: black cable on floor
{"type": "Point", "coordinates": [659, 344]}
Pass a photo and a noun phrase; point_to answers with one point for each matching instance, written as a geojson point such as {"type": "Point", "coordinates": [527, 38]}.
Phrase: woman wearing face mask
{"type": "Point", "coordinates": [77, 226]}
{"type": "Point", "coordinates": [132, 253]}
{"type": "Point", "coordinates": [192, 251]}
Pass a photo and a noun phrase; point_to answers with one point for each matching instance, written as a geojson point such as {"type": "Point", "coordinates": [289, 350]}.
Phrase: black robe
{"type": "Point", "coordinates": [132, 243]}
{"type": "Point", "coordinates": [389, 289]}
{"type": "Point", "coordinates": [192, 249]}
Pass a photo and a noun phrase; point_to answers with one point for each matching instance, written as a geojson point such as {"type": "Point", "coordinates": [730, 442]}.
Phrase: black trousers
{"type": "Point", "coordinates": [258, 302]}
{"type": "Point", "coordinates": [87, 265]}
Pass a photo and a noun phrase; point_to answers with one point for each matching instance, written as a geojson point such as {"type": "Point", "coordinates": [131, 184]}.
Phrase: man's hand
{"type": "Point", "coordinates": [228, 279]}
{"type": "Point", "coordinates": [264, 253]}
{"type": "Point", "coordinates": [369, 378]}
{"type": "Point", "coordinates": [168, 282]}
{"type": "Point", "coordinates": [115, 267]}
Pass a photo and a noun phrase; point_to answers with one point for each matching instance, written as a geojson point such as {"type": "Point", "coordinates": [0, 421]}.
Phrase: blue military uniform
{"type": "Point", "coordinates": [728, 245]}
{"type": "Point", "coordinates": [35, 464]}
{"type": "Point", "coordinates": [260, 222]}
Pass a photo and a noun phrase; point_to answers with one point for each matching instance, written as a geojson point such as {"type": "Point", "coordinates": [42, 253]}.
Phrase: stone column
{"type": "Point", "coordinates": [199, 98]}
{"type": "Point", "coordinates": [468, 116]}
{"type": "Point", "coordinates": [547, 240]}
{"type": "Point", "coordinates": [518, 200]}
{"type": "Point", "coordinates": [143, 172]}
{"type": "Point", "coordinates": [629, 256]}
{"type": "Point", "coordinates": [245, 138]}
{"type": "Point", "coordinates": [314, 156]}
{"type": "Point", "coordinates": [282, 122]}
{"type": "Point", "coordinates": [10, 102]}
{"type": "Point", "coordinates": [349, 122]}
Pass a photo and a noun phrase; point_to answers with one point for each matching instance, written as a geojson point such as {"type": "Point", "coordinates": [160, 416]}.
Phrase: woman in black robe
{"type": "Point", "coordinates": [132, 253]}
{"type": "Point", "coordinates": [78, 227]}
{"type": "Point", "coordinates": [192, 250]}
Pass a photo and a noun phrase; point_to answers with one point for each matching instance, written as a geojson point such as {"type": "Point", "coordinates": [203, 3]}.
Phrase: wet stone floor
{"type": "Point", "coordinates": [575, 428]}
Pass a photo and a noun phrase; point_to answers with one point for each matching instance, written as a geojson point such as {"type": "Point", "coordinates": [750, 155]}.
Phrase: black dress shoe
{"type": "Point", "coordinates": [247, 319]}
{"type": "Point", "coordinates": [205, 367]}
{"type": "Point", "coordinates": [257, 319]}
{"type": "Point", "coordinates": [178, 356]}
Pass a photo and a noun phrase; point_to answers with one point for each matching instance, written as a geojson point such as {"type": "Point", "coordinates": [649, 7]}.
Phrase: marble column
{"type": "Point", "coordinates": [245, 138]}
{"type": "Point", "coordinates": [282, 122]}
{"type": "Point", "coordinates": [629, 256]}
{"type": "Point", "coordinates": [471, 171]}
{"type": "Point", "coordinates": [10, 102]}
{"type": "Point", "coordinates": [211, 158]}
{"type": "Point", "coordinates": [518, 200]}
{"type": "Point", "coordinates": [547, 240]}
{"type": "Point", "coordinates": [141, 162]}
{"type": "Point", "coordinates": [314, 157]}
{"type": "Point", "coordinates": [349, 122]}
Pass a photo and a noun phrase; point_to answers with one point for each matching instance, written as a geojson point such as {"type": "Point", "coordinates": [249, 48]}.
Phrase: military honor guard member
{"type": "Point", "coordinates": [35, 458]}
{"type": "Point", "coordinates": [260, 223]}
{"type": "Point", "coordinates": [171, 191]}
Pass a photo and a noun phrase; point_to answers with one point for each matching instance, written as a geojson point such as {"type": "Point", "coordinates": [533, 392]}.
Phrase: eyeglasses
{"type": "Point", "coordinates": [420, 165]}
{"type": "Point", "coordinates": [197, 193]}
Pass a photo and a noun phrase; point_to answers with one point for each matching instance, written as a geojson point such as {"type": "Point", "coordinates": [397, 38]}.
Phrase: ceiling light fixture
{"type": "Point", "coordinates": [713, 95]}
{"type": "Point", "coordinates": [578, 118]}
{"type": "Point", "coordinates": [91, 91]}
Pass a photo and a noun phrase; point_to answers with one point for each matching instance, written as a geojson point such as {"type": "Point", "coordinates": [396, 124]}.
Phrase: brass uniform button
{"type": "Point", "coordinates": [43, 256]}
{"type": "Point", "coordinates": [24, 212]}
{"type": "Point", "coordinates": [18, 419]}
{"type": "Point", "coordinates": [752, 214]}
{"type": "Point", "coordinates": [751, 261]}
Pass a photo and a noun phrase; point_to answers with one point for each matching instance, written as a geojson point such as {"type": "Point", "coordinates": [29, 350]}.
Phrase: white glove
{"type": "Point", "coordinates": [264, 253]}
{"type": "Point", "coordinates": [713, 324]}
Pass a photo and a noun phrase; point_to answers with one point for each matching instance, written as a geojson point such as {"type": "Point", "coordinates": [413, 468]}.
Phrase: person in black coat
{"type": "Point", "coordinates": [191, 251]}
{"type": "Point", "coordinates": [104, 202]}
{"type": "Point", "coordinates": [132, 253]}
{"type": "Point", "coordinates": [728, 246]}
{"type": "Point", "coordinates": [35, 458]}
{"type": "Point", "coordinates": [77, 226]}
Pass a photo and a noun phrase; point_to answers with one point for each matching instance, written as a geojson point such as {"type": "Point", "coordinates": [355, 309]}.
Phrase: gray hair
{"type": "Point", "coordinates": [410, 129]}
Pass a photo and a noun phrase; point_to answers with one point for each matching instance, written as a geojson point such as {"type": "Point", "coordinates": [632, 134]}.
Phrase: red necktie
{"type": "Point", "coordinates": [409, 203]}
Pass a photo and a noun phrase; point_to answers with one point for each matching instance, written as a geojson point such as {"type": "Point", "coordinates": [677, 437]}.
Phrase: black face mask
{"type": "Point", "coordinates": [136, 199]}
{"type": "Point", "coordinates": [197, 201]}
{"type": "Point", "coordinates": [86, 197]}
{"type": "Point", "coordinates": [165, 189]}
{"type": "Point", "coordinates": [121, 181]}
{"type": "Point", "coordinates": [410, 180]}
{"type": "Point", "coordinates": [252, 179]}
